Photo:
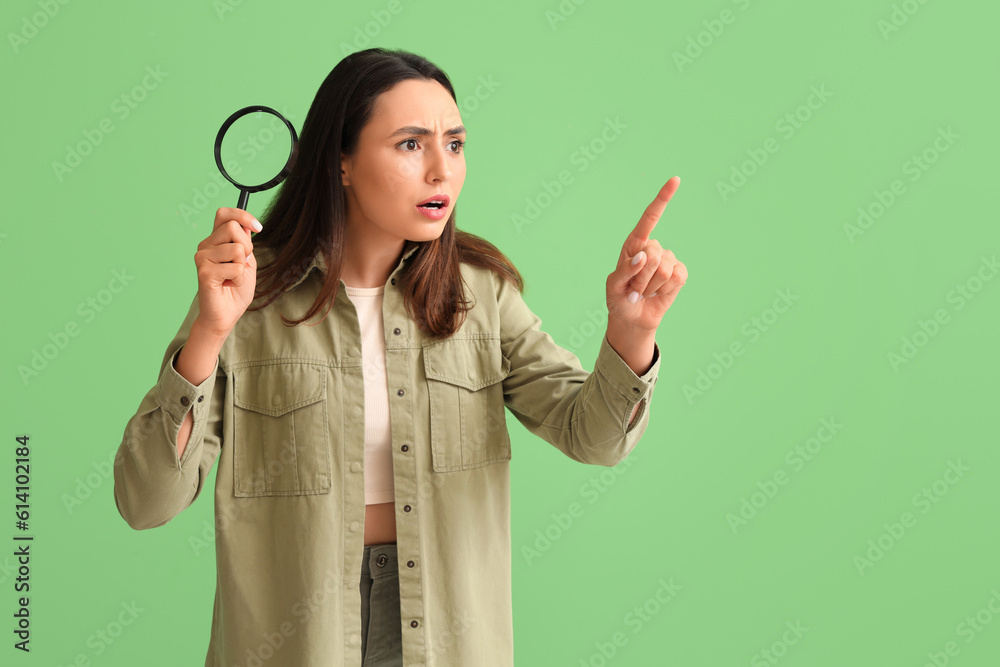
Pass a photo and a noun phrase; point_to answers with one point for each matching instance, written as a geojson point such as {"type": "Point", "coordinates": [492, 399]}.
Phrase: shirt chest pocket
{"type": "Point", "coordinates": [464, 384]}
{"type": "Point", "coordinates": [281, 430]}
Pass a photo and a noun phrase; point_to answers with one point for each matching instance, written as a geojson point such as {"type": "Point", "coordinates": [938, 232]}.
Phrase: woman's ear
{"type": "Point", "coordinates": [344, 178]}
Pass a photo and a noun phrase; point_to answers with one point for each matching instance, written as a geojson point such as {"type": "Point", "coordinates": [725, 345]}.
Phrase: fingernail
{"type": "Point", "coordinates": [638, 257]}
{"type": "Point", "coordinates": [633, 296]}
{"type": "Point", "coordinates": [256, 225]}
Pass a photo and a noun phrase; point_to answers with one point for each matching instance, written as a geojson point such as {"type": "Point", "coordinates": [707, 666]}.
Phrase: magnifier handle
{"type": "Point", "coordinates": [244, 196]}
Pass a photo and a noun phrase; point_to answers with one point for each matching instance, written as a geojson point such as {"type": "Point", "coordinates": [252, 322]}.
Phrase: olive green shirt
{"type": "Point", "coordinates": [283, 414]}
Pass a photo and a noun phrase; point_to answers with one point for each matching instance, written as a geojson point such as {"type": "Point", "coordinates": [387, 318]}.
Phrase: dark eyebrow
{"type": "Point", "coordinates": [423, 131]}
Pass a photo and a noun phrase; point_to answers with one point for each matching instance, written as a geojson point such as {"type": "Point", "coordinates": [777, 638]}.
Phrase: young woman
{"type": "Point", "coordinates": [349, 366]}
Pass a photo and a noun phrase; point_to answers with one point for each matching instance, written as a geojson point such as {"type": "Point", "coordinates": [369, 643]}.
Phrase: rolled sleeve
{"type": "Point", "coordinates": [636, 389]}
{"type": "Point", "coordinates": [177, 395]}
{"type": "Point", "coordinates": [153, 484]}
{"type": "Point", "coordinates": [585, 415]}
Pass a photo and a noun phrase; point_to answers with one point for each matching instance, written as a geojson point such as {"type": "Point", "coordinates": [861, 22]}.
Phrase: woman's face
{"type": "Point", "coordinates": [410, 150]}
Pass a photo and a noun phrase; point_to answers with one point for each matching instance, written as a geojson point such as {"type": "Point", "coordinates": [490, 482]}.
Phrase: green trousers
{"type": "Point", "coordinates": [381, 633]}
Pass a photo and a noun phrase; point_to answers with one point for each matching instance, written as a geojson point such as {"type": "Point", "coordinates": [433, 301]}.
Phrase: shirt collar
{"type": "Point", "coordinates": [319, 262]}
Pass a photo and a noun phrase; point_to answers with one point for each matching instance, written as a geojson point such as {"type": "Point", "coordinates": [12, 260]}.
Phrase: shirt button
{"type": "Point", "coordinates": [355, 639]}
{"type": "Point", "coordinates": [409, 563]}
{"type": "Point", "coordinates": [406, 508]}
{"type": "Point", "coordinates": [399, 392]}
{"type": "Point", "coordinates": [414, 624]}
{"type": "Point", "coordinates": [355, 526]}
{"type": "Point", "coordinates": [185, 401]}
{"type": "Point", "coordinates": [405, 448]}
{"type": "Point", "coordinates": [393, 281]}
{"type": "Point", "coordinates": [355, 467]}
{"type": "Point", "coordinates": [635, 389]}
{"type": "Point", "coordinates": [201, 398]}
{"type": "Point", "coordinates": [381, 560]}
{"type": "Point", "coordinates": [276, 400]}
{"type": "Point", "coordinates": [396, 331]}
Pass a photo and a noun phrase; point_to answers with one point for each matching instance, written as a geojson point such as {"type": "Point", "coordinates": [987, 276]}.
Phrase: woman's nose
{"type": "Point", "coordinates": [437, 167]}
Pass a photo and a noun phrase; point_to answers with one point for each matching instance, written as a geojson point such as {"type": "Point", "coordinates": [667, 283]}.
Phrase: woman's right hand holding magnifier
{"type": "Point", "coordinates": [227, 278]}
{"type": "Point", "coordinates": [227, 272]}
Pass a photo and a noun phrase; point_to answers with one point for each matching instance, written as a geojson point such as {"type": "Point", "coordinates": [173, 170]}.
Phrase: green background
{"type": "Point", "coordinates": [145, 196]}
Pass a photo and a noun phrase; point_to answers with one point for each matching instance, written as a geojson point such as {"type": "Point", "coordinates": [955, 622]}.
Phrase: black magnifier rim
{"type": "Point", "coordinates": [284, 170]}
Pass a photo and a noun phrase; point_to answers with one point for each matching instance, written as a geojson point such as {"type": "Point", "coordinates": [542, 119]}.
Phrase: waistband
{"type": "Point", "coordinates": [379, 561]}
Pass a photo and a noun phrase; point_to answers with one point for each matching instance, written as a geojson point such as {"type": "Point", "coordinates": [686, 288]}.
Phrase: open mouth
{"type": "Point", "coordinates": [436, 202]}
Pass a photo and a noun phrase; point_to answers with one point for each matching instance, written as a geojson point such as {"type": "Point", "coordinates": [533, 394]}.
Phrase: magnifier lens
{"type": "Point", "coordinates": [256, 147]}
{"type": "Point", "coordinates": [253, 148]}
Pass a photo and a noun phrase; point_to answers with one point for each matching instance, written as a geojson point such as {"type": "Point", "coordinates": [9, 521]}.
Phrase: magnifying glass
{"type": "Point", "coordinates": [245, 190]}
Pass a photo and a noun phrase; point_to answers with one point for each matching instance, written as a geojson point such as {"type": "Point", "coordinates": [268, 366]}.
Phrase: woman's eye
{"type": "Point", "coordinates": [460, 142]}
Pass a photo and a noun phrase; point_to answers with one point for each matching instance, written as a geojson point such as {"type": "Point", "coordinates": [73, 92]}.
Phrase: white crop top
{"type": "Point", "coordinates": [378, 434]}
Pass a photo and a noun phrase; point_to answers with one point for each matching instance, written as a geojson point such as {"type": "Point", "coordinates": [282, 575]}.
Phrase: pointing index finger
{"type": "Point", "coordinates": [655, 209]}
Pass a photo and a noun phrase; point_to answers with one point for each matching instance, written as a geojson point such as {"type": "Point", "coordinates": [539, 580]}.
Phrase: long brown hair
{"type": "Point", "coordinates": [309, 211]}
